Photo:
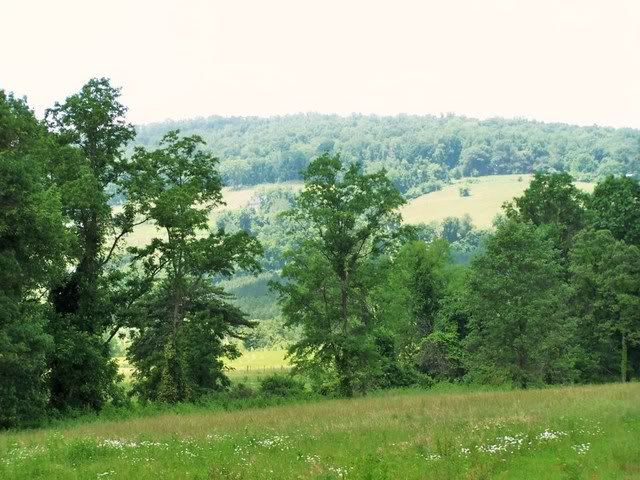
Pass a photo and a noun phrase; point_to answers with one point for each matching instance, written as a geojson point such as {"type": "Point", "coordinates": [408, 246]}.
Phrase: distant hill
{"type": "Point", "coordinates": [420, 153]}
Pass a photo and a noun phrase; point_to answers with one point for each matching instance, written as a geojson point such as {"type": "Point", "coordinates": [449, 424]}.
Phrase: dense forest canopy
{"type": "Point", "coordinates": [420, 153]}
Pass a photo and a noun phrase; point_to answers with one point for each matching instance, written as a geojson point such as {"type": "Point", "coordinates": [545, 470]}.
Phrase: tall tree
{"type": "Point", "coordinates": [32, 246]}
{"type": "Point", "coordinates": [178, 342]}
{"type": "Point", "coordinates": [520, 329]}
{"type": "Point", "coordinates": [615, 206]}
{"type": "Point", "coordinates": [92, 121]}
{"type": "Point", "coordinates": [347, 219]}
{"type": "Point", "coordinates": [553, 200]}
{"type": "Point", "coordinates": [606, 277]}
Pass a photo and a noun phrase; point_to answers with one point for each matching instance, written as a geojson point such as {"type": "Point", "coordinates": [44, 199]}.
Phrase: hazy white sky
{"type": "Point", "coordinates": [574, 61]}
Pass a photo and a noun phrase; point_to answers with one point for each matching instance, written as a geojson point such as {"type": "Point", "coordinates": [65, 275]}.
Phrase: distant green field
{"type": "Point", "coordinates": [260, 360]}
{"type": "Point", "coordinates": [487, 194]}
{"type": "Point", "coordinates": [252, 366]}
{"type": "Point", "coordinates": [587, 432]}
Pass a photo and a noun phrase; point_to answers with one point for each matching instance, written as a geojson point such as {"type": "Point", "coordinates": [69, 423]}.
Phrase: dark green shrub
{"type": "Point", "coordinates": [281, 386]}
{"type": "Point", "coordinates": [241, 391]}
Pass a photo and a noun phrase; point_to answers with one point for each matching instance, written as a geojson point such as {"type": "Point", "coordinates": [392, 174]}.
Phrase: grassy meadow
{"type": "Point", "coordinates": [254, 365]}
{"type": "Point", "coordinates": [487, 194]}
{"type": "Point", "coordinates": [590, 432]}
{"type": "Point", "coordinates": [249, 369]}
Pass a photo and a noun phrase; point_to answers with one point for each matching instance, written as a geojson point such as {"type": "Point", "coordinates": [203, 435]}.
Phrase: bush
{"type": "Point", "coordinates": [441, 355]}
{"type": "Point", "coordinates": [241, 391]}
{"type": "Point", "coordinates": [281, 386]}
{"type": "Point", "coordinates": [464, 191]}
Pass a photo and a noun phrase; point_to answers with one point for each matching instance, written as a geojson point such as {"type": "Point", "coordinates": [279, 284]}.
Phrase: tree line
{"type": "Point", "coordinates": [552, 295]}
{"type": "Point", "coordinates": [68, 285]}
{"type": "Point", "coordinates": [419, 153]}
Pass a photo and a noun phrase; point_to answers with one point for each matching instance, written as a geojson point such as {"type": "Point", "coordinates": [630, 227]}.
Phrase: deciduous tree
{"type": "Point", "coordinates": [348, 219]}
{"type": "Point", "coordinates": [93, 123]}
{"type": "Point", "coordinates": [521, 330]}
{"type": "Point", "coordinates": [182, 325]}
{"type": "Point", "coordinates": [32, 248]}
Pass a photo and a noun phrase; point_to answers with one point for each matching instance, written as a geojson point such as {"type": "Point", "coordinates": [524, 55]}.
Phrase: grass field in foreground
{"type": "Point", "coordinates": [588, 432]}
{"type": "Point", "coordinates": [487, 194]}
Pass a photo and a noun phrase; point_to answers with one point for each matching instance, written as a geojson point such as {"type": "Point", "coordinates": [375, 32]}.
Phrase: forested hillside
{"type": "Point", "coordinates": [420, 153]}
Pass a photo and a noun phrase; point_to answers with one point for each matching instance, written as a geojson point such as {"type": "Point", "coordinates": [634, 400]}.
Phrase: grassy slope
{"type": "Point", "coordinates": [577, 432]}
{"type": "Point", "coordinates": [487, 196]}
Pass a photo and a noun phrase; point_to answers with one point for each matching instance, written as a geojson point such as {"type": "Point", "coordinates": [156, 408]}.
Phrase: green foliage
{"type": "Point", "coordinates": [183, 318]}
{"type": "Point", "coordinates": [441, 355]}
{"type": "Point", "coordinates": [270, 333]}
{"type": "Point", "coordinates": [264, 218]}
{"type": "Point", "coordinates": [606, 277]}
{"type": "Point", "coordinates": [32, 243]}
{"type": "Point", "coordinates": [552, 200]}
{"type": "Point", "coordinates": [91, 128]}
{"type": "Point", "coordinates": [464, 191]}
{"type": "Point", "coordinates": [410, 297]}
{"type": "Point", "coordinates": [420, 153]}
{"type": "Point", "coordinates": [281, 386]}
{"type": "Point", "coordinates": [615, 206]}
{"type": "Point", "coordinates": [347, 220]}
{"type": "Point", "coordinates": [520, 328]}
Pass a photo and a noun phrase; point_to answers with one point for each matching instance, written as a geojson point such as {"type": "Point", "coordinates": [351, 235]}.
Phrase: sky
{"type": "Point", "coordinates": [573, 61]}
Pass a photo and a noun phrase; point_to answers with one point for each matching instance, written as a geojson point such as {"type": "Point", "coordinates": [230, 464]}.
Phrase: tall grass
{"type": "Point", "coordinates": [574, 432]}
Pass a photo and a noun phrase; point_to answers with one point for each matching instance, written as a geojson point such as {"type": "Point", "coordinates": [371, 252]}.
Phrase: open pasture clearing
{"type": "Point", "coordinates": [561, 433]}
{"type": "Point", "coordinates": [255, 365]}
{"type": "Point", "coordinates": [487, 194]}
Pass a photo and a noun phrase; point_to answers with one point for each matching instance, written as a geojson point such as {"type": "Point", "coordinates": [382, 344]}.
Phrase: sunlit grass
{"type": "Point", "coordinates": [487, 194]}
{"type": "Point", "coordinates": [576, 432]}
{"type": "Point", "coordinates": [261, 359]}
{"type": "Point", "coordinates": [249, 368]}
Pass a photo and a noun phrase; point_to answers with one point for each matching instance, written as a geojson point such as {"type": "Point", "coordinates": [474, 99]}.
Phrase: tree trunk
{"type": "Point", "coordinates": [344, 301]}
{"type": "Point", "coordinates": [345, 384]}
